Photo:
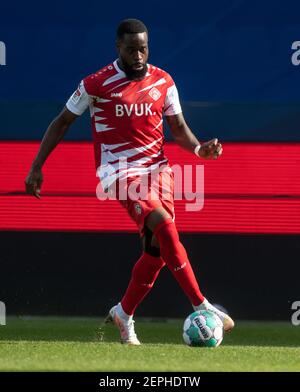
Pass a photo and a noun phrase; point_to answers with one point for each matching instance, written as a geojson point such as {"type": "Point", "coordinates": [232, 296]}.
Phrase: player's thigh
{"type": "Point", "coordinates": [155, 217]}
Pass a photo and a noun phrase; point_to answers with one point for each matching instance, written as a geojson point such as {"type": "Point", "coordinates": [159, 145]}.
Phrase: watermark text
{"type": "Point", "coordinates": [2, 313]}
{"type": "Point", "coordinates": [296, 315]}
{"type": "Point", "coordinates": [120, 181]}
{"type": "Point", "coordinates": [2, 53]}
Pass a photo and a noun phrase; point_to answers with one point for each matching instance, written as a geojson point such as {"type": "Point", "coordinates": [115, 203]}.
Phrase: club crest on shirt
{"type": "Point", "coordinates": [154, 93]}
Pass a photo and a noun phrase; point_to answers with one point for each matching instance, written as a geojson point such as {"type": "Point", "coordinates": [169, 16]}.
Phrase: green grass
{"type": "Point", "coordinates": [78, 344]}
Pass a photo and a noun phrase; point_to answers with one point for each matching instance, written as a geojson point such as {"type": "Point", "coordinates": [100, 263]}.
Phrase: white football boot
{"type": "Point", "coordinates": [227, 321]}
{"type": "Point", "coordinates": [126, 327]}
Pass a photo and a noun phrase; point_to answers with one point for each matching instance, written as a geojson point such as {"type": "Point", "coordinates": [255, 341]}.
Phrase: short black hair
{"type": "Point", "coordinates": [131, 26]}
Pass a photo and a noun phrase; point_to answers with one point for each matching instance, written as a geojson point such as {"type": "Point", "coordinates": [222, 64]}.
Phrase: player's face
{"type": "Point", "coordinates": [133, 55]}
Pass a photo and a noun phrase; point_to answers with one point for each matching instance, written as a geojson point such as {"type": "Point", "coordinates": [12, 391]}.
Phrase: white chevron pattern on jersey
{"type": "Point", "coordinates": [126, 153]}
{"type": "Point", "coordinates": [158, 83]}
{"type": "Point", "coordinates": [112, 166]}
{"type": "Point", "coordinates": [102, 127]}
{"type": "Point", "coordinates": [114, 78]}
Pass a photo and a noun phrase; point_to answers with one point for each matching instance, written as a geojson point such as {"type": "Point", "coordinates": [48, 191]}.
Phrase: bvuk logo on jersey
{"type": "Point", "coordinates": [138, 109]}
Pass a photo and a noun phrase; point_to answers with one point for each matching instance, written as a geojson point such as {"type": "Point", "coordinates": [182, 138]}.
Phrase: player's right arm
{"type": "Point", "coordinates": [54, 134]}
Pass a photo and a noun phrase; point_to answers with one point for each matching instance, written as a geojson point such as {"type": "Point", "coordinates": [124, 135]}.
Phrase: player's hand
{"type": "Point", "coordinates": [33, 182]}
{"type": "Point", "coordinates": [211, 149]}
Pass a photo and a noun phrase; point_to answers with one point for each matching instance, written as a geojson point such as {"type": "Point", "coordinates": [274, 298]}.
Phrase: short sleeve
{"type": "Point", "coordinates": [172, 104]}
{"type": "Point", "coordinates": [79, 100]}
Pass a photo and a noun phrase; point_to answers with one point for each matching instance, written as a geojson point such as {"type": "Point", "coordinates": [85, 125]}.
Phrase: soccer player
{"type": "Point", "coordinates": [127, 100]}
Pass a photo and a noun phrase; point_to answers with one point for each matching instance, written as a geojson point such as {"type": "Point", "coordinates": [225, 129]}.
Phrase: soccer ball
{"type": "Point", "coordinates": [203, 328]}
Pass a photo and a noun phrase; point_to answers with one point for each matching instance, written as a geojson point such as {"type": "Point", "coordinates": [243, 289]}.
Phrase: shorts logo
{"type": "Point", "coordinates": [138, 208]}
{"type": "Point", "coordinates": [154, 93]}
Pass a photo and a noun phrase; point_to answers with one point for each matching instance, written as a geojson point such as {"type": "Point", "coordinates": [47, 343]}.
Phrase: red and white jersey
{"type": "Point", "coordinates": [127, 119]}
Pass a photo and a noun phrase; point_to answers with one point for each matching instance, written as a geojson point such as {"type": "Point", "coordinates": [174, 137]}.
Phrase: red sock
{"type": "Point", "coordinates": [143, 276]}
{"type": "Point", "coordinates": [173, 253]}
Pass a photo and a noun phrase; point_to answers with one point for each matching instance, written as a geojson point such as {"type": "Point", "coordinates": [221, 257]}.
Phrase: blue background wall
{"type": "Point", "coordinates": [231, 61]}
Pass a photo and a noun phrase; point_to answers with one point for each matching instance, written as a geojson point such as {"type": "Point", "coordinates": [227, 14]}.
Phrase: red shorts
{"type": "Point", "coordinates": [140, 195]}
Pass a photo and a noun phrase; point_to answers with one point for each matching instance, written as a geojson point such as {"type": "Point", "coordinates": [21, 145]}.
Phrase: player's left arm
{"type": "Point", "coordinates": [183, 136]}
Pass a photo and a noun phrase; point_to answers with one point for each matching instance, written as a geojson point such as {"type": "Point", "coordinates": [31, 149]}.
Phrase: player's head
{"type": "Point", "coordinates": [132, 45]}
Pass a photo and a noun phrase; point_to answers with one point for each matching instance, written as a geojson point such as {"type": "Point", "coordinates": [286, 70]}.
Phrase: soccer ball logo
{"type": "Point", "coordinates": [203, 328]}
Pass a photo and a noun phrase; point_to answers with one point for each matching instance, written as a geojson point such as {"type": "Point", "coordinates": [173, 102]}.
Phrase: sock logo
{"type": "Point", "coordinates": [180, 268]}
